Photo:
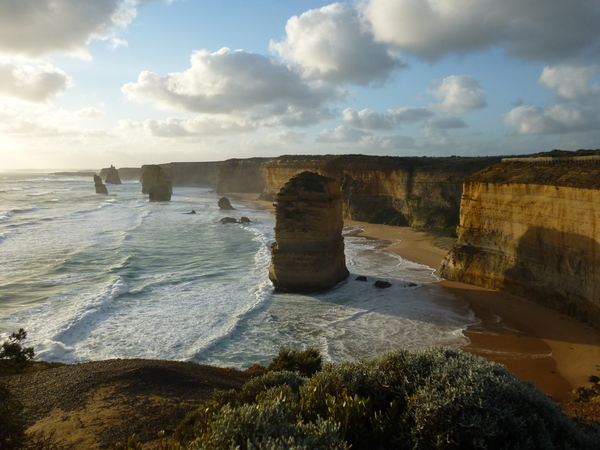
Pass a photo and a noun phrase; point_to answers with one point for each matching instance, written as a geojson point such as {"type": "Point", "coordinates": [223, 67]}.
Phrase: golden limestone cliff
{"type": "Point", "coordinates": [308, 252]}
{"type": "Point", "coordinates": [413, 191]}
{"type": "Point", "coordinates": [532, 227]}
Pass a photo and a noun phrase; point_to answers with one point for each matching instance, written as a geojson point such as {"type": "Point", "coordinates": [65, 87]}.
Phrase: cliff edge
{"type": "Point", "coordinates": [532, 227]}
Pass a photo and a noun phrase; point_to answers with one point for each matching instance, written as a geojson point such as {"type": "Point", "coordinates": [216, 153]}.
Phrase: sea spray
{"type": "Point", "coordinates": [95, 277]}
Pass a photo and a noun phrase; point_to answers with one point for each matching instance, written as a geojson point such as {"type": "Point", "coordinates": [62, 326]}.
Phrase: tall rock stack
{"type": "Point", "coordinates": [308, 252]}
{"type": "Point", "coordinates": [112, 176]}
{"type": "Point", "coordinates": [100, 186]}
{"type": "Point", "coordinates": [156, 183]}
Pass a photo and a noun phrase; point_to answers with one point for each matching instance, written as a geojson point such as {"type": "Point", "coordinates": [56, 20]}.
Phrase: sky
{"type": "Point", "coordinates": [89, 83]}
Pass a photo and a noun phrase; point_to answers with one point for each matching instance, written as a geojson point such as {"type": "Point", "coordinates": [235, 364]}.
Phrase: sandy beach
{"type": "Point", "coordinates": [553, 351]}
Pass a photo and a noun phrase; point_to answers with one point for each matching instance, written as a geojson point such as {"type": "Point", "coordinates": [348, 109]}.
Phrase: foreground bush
{"type": "Point", "coordinates": [439, 398]}
{"type": "Point", "coordinates": [13, 349]}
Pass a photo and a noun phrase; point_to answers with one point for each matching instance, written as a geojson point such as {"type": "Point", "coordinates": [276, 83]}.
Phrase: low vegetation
{"type": "Point", "coordinates": [13, 349]}
{"type": "Point", "coordinates": [434, 399]}
{"type": "Point", "coordinates": [439, 398]}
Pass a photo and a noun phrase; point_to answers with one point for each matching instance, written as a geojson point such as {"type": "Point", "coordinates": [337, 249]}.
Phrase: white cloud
{"type": "Point", "coordinates": [367, 119]}
{"type": "Point", "coordinates": [238, 83]}
{"type": "Point", "coordinates": [437, 129]}
{"type": "Point", "coordinates": [286, 137]}
{"type": "Point", "coordinates": [342, 134]}
{"type": "Point", "coordinates": [33, 28]}
{"type": "Point", "coordinates": [31, 83]}
{"type": "Point", "coordinates": [532, 29]}
{"type": "Point", "coordinates": [332, 43]}
{"type": "Point", "coordinates": [201, 125]}
{"type": "Point", "coordinates": [372, 144]}
{"type": "Point", "coordinates": [458, 93]}
{"type": "Point", "coordinates": [555, 119]}
{"type": "Point", "coordinates": [90, 113]}
{"type": "Point", "coordinates": [578, 110]}
{"type": "Point", "coordinates": [571, 82]}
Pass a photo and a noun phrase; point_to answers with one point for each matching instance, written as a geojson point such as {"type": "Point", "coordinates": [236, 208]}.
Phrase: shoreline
{"type": "Point", "coordinates": [555, 352]}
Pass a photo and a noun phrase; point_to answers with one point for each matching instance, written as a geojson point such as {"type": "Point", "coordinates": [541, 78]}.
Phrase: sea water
{"type": "Point", "coordinates": [93, 277]}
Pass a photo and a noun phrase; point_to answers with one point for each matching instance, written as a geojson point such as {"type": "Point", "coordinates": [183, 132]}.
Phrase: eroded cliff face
{"type": "Point", "coordinates": [418, 192]}
{"type": "Point", "coordinates": [242, 175]}
{"type": "Point", "coordinates": [534, 230]}
{"type": "Point", "coordinates": [192, 174]}
{"type": "Point", "coordinates": [308, 252]}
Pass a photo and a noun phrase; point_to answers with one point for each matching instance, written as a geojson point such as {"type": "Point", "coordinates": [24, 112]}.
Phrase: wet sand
{"type": "Point", "coordinates": [555, 352]}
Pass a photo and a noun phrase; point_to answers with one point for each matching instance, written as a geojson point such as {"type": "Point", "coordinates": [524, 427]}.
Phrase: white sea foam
{"type": "Point", "coordinates": [91, 277]}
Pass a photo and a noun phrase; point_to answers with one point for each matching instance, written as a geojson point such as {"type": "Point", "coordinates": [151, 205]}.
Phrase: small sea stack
{"type": "Point", "coordinates": [156, 183]}
{"type": "Point", "coordinates": [100, 186]}
{"type": "Point", "coordinates": [225, 204]}
{"type": "Point", "coordinates": [112, 176]}
{"type": "Point", "coordinates": [308, 252]}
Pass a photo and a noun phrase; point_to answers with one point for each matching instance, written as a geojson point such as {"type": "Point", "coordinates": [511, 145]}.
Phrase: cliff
{"type": "Point", "coordinates": [242, 175]}
{"type": "Point", "coordinates": [532, 227]}
{"type": "Point", "coordinates": [413, 191]}
{"type": "Point", "coordinates": [192, 174]}
{"type": "Point", "coordinates": [308, 252]}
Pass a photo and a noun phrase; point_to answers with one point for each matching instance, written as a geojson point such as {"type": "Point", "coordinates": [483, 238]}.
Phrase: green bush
{"type": "Point", "coordinates": [434, 399]}
{"type": "Point", "coordinates": [13, 350]}
{"type": "Point", "coordinates": [306, 362]}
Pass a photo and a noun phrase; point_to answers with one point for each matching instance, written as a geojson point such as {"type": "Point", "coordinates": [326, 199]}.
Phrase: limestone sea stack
{"type": "Point", "coordinates": [112, 176]}
{"type": "Point", "coordinates": [308, 252]}
{"type": "Point", "coordinates": [100, 186]}
{"type": "Point", "coordinates": [156, 183]}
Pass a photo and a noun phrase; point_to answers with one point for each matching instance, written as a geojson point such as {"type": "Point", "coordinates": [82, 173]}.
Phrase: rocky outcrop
{"type": "Point", "coordinates": [533, 228]}
{"type": "Point", "coordinates": [100, 186]}
{"type": "Point", "coordinates": [112, 176]}
{"type": "Point", "coordinates": [225, 204]}
{"type": "Point", "coordinates": [418, 192]}
{"type": "Point", "coordinates": [124, 173]}
{"type": "Point", "coordinates": [156, 183]}
{"type": "Point", "coordinates": [308, 252]}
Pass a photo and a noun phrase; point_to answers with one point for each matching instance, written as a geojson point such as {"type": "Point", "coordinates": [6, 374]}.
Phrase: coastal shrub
{"type": "Point", "coordinates": [13, 350]}
{"type": "Point", "coordinates": [271, 424]}
{"type": "Point", "coordinates": [306, 362]}
{"type": "Point", "coordinates": [439, 398]}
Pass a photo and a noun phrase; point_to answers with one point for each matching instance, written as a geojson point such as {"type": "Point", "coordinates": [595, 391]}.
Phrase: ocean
{"type": "Point", "coordinates": [93, 277]}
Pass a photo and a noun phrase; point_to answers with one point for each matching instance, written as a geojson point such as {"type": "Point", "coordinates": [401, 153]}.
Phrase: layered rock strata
{"type": "Point", "coordinates": [308, 252]}
{"type": "Point", "coordinates": [100, 186]}
{"type": "Point", "coordinates": [533, 228]}
{"type": "Point", "coordinates": [156, 183]}
{"type": "Point", "coordinates": [413, 191]}
{"type": "Point", "coordinates": [417, 192]}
